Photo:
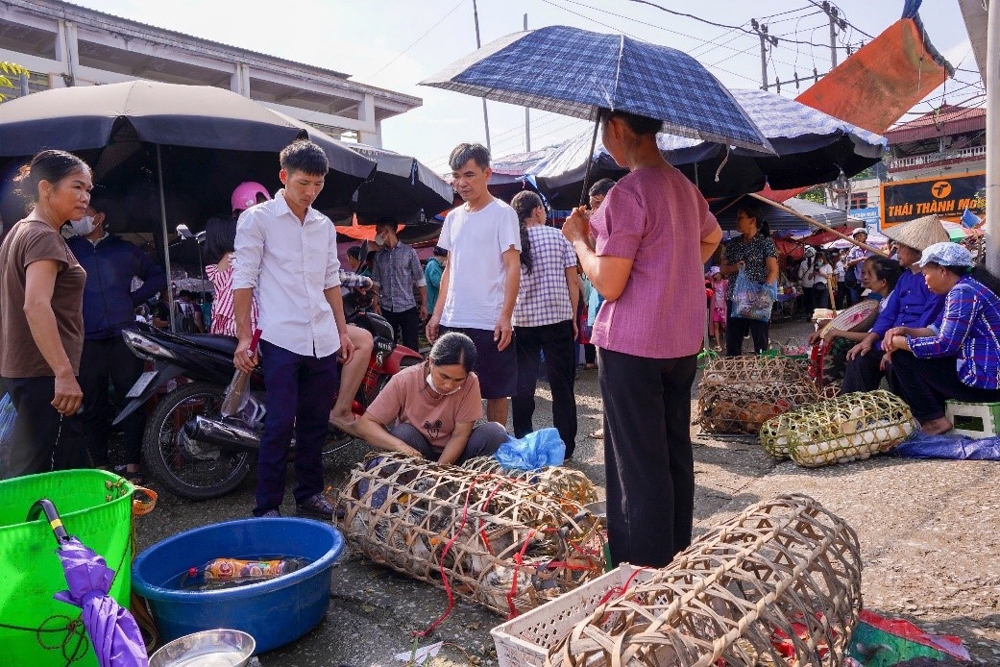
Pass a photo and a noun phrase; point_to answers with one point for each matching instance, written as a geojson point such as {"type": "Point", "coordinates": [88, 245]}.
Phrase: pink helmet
{"type": "Point", "coordinates": [245, 195]}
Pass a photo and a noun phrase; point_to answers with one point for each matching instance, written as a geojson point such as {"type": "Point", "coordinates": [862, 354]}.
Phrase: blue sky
{"type": "Point", "coordinates": [396, 43]}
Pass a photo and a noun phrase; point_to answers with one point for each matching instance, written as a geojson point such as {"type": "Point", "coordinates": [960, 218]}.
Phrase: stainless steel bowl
{"type": "Point", "coordinates": [598, 509]}
{"type": "Point", "coordinates": [209, 648]}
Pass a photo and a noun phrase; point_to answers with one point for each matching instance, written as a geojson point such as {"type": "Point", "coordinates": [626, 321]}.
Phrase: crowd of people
{"type": "Point", "coordinates": [504, 298]}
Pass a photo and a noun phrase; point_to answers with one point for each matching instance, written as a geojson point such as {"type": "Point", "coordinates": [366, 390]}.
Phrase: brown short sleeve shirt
{"type": "Point", "coordinates": [32, 241]}
{"type": "Point", "coordinates": [406, 400]}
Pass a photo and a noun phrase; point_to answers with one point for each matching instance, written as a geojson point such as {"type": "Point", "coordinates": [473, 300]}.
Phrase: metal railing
{"type": "Point", "coordinates": [931, 158]}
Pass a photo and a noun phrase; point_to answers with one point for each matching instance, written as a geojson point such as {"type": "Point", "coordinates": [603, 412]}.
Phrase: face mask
{"type": "Point", "coordinates": [380, 239]}
{"type": "Point", "coordinates": [83, 226]}
{"type": "Point", "coordinates": [430, 383]}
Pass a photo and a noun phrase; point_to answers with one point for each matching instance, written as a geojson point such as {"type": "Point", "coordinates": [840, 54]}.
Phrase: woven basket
{"type": "Point", "coordinates": [561, 481]}
{"type": "Point", "coordinates": [851, 426]}
{"type": "Point", "coordinates": [779, 584]}
{"type": "Point", "coordinates": [738, 394]}
{"type": "Point", "coordinates": [503, 543]}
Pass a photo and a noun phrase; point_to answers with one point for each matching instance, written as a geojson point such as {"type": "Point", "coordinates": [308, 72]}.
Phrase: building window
{"type": "Point", "coordinates": [859, 200]}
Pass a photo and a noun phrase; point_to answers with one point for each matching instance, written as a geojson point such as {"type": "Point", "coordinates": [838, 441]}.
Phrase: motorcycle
{"type": "Point", "coordinates": [193, 450]}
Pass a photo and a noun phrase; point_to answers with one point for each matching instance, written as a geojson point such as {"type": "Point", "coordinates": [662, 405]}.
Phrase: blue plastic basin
{"type": "Point", "coordinates": [274, 612]}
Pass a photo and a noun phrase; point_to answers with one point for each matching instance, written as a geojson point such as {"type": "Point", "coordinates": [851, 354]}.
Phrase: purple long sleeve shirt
{"type": "Point", "coordinates": [910, 304]}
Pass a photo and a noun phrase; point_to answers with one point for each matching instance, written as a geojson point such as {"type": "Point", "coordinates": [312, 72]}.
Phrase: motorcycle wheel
{"type": "Point", "coordinates": [172, 463]}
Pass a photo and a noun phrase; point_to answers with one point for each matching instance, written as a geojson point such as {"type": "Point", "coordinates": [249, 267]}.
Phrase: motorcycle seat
{"type": "Point", "coordinates": [216, 343]}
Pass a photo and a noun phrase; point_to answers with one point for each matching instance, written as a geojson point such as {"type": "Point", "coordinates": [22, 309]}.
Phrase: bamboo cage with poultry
{"type": "Point", "coordinates": [504, 543]}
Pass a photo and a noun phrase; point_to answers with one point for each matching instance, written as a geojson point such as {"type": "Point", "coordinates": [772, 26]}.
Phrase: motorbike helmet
{"type": "Point", "coordinates": [245, 195]}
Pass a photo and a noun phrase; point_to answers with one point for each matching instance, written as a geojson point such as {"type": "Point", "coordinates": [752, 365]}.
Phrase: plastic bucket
{"type": "Point", "coordinates": [95, 507]}
{"type": "Point", "coordinates": [274, 612]}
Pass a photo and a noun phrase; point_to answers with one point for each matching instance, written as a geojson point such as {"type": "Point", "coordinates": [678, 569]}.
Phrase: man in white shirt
{"type": "Point", "coordinates": [286, 251]}
{"type": "Point", "coordinates": [479, 285]}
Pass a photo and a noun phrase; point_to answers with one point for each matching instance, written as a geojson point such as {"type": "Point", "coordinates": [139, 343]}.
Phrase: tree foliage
{"type": "Point", "coordinates": [8, 70]}
{"type": "Point", "coordinates": [816, 195]}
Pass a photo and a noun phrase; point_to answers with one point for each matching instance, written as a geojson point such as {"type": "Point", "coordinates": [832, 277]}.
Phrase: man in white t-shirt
{"type": "Point", "coordinates": [479, 285]}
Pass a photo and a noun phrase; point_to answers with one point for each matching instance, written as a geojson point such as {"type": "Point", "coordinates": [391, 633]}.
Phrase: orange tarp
{"type": "Point", "coordinates": [874, 87]}
{"type": "Point", "coordinates": [879, 83]}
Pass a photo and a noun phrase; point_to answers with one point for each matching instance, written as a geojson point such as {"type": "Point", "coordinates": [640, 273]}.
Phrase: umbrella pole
{"type": "Point", "coordinates": [166, 242]}
{"type": "Point", "coordinates": [590, 161]}
{"type": "Point", "coordinates": [816, 223]}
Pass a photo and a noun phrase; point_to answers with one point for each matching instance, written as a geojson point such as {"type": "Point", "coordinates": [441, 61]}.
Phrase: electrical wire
{"type": "Point", "coordinates": [619, 30]}
{"type": "Point", "coordinates": [418, 40]}
{"type": "Point", "coordinates": [691, 16]}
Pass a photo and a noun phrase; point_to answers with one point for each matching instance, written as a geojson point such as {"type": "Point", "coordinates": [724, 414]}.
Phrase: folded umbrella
{"type": "Point", "coordinates": [237, 393]}
{"type": "Point", "coordinates": [113, 632]}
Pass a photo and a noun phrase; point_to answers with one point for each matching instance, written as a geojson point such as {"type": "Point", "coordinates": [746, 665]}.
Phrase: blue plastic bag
{"type": "Point", "coordinates": [752, 301]}
{"type": "Point", "coordinates": [946, 446]}
{"type": "Point", "coordinates": [539, 448]}
{"type": "Point", "coordinates": [7, 416]}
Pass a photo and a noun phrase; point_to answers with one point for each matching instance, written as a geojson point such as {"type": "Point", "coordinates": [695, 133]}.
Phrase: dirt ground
{"type": "Point", "coordinates": [929, 535]}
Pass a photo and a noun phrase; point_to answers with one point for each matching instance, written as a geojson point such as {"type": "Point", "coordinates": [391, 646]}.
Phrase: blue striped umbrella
{"type": "Point", "coordinates": [576, 72]}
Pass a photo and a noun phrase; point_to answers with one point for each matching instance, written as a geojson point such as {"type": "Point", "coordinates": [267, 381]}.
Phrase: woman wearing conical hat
{"type": "Point", "coordinates": [911, 303]}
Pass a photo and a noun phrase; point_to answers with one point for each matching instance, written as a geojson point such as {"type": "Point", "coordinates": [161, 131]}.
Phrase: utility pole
{"type": "Point", "coordinates": [486, 117]}
{"type": "Point", "coordinates": [765, 39]}
{"type": "Point", "coordinates": [836, 21]}
{"type": "Point", "coordinates": [992, 81]}
{"type": "Point", "coordinates": [527, 112]}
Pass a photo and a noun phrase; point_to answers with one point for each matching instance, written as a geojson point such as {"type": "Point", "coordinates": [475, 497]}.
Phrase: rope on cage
{"type": "Point", "coordinates": [518, 561]}
{"type": "Point", "coordinates": [444, 575]}
{"type": "Point", "coordinates": [484, 506]}
{"type": "Point", "coordinates": [615, 591]}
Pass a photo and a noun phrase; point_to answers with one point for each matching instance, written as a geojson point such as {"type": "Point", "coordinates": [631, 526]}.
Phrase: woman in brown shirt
{"type": "Point", "coordinates": [41, 314]}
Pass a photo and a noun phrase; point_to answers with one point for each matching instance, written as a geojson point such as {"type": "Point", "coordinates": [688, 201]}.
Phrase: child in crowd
{"type": "Point", "coordinates": [718, 305]}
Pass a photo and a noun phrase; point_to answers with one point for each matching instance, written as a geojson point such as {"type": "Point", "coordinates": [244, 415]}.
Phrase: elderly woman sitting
{"type": "Point", "coordinates": [959, 358]}
{"type": "Point", "coordinates": [434, 406]}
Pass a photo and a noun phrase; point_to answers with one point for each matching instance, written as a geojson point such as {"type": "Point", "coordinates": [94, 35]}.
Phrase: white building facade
{"type": "Point", "coordinates": [65, 45]}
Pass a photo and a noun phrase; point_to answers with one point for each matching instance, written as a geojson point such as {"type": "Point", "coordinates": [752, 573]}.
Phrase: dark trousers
{"type": "Point", "coordinates": [821, 296]}
{"type": "Point", "coordinates": [106, 360]}
{"type": "Point", "coordinates": [737, 328]}
{"type": "Point", "coordinates": [300, 392]}
{"type": "Point", "coordinates": [41, 439]}
{"type": "Point", "coordinates": [484, 441]}
{"type": "Point", "coordinates": [555, 341]}
{"type": "Point", "coordinates": [649, 465]}
{"type": "Point", "coordinates": [863, 373]}
{"type": "Point", "coordinates": [841, 295]}
{"type": "Point", "coordinates": [406, 324]}
{"type": "Point", "coordinates": [589, 353]}
{"type": "Point", "coordinates": [925, 384]}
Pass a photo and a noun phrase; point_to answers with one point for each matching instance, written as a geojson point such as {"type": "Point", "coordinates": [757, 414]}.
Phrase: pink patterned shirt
{"type": "Point", "coordinates": [657, 218]}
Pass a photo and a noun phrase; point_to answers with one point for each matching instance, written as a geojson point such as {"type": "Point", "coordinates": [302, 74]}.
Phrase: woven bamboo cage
{"type": "Point", "coordinates": [779, 584]}
{"type": "Point", "coordinates": [500, 542]}
{"type": "Point", "coordinates": [738, 394]}
{"type": "Point", "coordinates": [851, 426]}
{"type": "Point", "coordinates": [773, 436]}
{"type": "Point", "coordinates": [559, 480]}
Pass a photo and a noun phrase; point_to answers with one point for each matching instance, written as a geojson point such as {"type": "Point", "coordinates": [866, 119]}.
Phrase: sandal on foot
{"type": "Point", "coordinates": [134, 477]}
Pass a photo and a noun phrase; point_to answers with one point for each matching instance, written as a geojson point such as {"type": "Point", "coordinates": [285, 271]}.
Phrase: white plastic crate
{"type": "Point", "coordinates": [976, 420]}
{"type": "Point", "coordinates": [527, 639]}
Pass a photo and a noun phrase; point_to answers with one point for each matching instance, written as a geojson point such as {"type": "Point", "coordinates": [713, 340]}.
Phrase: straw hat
{"type": "Point", "coordinates": [919, 233]}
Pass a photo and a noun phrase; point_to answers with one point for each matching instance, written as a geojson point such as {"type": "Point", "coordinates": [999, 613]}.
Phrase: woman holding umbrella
{"type": "Point", "coordinates": [41, 313]}
{"type": "Point", "coordinates": [652, 235]}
